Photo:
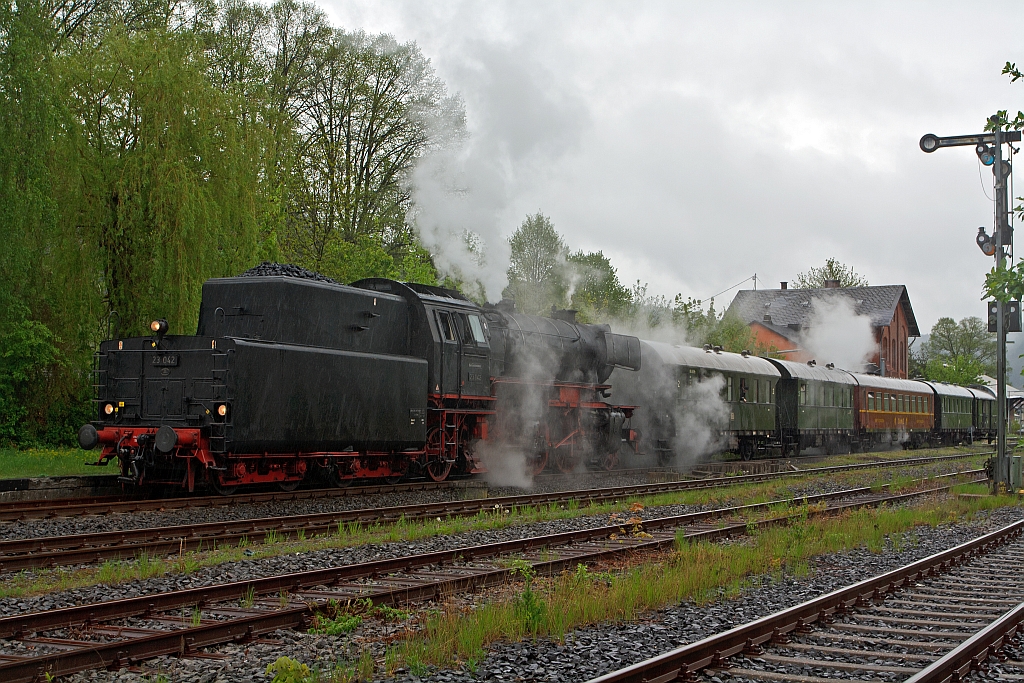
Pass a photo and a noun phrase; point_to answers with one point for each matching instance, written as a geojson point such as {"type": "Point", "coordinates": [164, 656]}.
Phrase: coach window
{"type": "Point", "coordinates": [743, 389]}
{"type": "Point", "coordinates": [871, 400]}
{"type": "Point", "coordinates": [728, 388]}
{"type": "Point", "coordinates": [803, 394]}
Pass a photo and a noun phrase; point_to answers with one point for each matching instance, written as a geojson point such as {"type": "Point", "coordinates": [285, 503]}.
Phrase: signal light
{"type": "Point", "coordinates": [985, 153]}
{"type": "Point", "coordinates": [929, 143]}
{"type": "Point", "coordinates": [985, 243]}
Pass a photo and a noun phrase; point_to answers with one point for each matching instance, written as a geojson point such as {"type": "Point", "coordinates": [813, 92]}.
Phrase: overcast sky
{"type": "Point", "coordinates": [699, 143]}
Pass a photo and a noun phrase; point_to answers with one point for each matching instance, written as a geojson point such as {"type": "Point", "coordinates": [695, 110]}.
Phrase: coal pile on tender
{"type": "Point", "coordinates": [268, 268]}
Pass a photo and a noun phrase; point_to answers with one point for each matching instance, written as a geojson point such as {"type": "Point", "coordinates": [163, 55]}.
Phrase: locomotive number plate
{"type": "Point", "coordinates": [169, 360]}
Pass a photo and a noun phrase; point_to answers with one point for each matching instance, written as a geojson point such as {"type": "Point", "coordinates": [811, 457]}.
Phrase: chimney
{"type": "Point", "coordinates": [783, 285]}
{"type": "Point", "coordinates": [831, 284]}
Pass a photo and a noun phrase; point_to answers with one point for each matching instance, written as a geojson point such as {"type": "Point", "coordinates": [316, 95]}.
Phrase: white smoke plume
{"type": "Point", "coordinates": [837, 334]}
{"type": "Point", "coordinates": [701, 415]}
{"type": "Point", "coordinates": [507, 464]}
{"type": "Point", "coordinates": [458, 217]}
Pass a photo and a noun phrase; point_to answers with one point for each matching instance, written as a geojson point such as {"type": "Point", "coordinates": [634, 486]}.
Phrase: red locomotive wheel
{"type": "Point", "coordinates": [221, 489]}
{"type": "Point", "coordinates": [438, 470]}
{"type": "Point", "coordinates": [610, 461]}
{"type": "Point", "coordinates": [566, 462]}
{"type": "Point", "coordinates": [289, 486]}
{"type": "Point", "coordinates": [537, 463]}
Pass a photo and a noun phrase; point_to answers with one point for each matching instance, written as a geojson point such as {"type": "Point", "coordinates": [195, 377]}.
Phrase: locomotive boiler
{"type": "Point", "coordinates": [288, 376]}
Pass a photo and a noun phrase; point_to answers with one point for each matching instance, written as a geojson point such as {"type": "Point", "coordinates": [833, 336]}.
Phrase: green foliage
{"type": "Point", "coordinates": [26, 349]}
{"type": "Point", "coordinates": [287, 670]}
{"type": "Point", "coordinates": [343, 623]}
{"type": "Point", "coordinates": [962, 370]}
{"type": "Point", "coordinates": [529, 608]}
{"type": "Point", "coordinates": [962, 350]}
{"type": "Point", "coordinates": [596, 290]}
{"type": "Point", "coordinates": [832, 270]}
{"type": "Point", "coordinates": [537, 277]}
{"type": "Point", "coordinates": [146, 149]}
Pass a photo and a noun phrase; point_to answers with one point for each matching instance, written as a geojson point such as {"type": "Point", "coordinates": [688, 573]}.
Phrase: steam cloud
{"type": "Point", "coordinates": [837, 334]}
{"type": "Point", "coordinates": [701, 415]}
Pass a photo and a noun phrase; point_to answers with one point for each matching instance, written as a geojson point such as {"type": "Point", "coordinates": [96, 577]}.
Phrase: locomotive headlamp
{"type": "Point", "coordinates": [159, 326]}
{"type": "Point", "coordinates": [985, 243]}
{"type": "Point", "coordinates": [222, 409]}
{"type": "Point", "coordinates": [108, 409]}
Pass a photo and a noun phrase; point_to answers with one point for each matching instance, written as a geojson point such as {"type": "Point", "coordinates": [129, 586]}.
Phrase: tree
{"type": "Point", "coordinates": [537, 272]}
{"type": "Point", "coordinates": [960, 370]}
{"type": "Point", "coordinates": [832, 270]}
{"type": "Point", "coordinates": [961, 350]}
{"type": "Point", "coordinates": [596, 290]}
{"type": "Point", "coordinates": [373, 109]}
{"type": "Point", "coordinates": [146, 146]}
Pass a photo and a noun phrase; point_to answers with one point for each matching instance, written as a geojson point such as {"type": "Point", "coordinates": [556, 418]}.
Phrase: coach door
{"type": "Point", "coordinates": [450, 370]}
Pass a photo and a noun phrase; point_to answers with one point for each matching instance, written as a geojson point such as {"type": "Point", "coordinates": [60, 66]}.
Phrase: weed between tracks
{"type": "Point", "coordinates": [700, 572]}
{"type": "Point", "coordinates": [353, 534]}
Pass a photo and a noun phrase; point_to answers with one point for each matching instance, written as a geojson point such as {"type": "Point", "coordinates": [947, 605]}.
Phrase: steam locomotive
{"type": "Point", "coordinates": [287, 377]}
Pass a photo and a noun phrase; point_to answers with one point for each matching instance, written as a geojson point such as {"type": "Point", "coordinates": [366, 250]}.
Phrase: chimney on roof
{"type": "Point", "coordinates": [831, 284]}
{"type": "Point", "coordinates": [783, 285]}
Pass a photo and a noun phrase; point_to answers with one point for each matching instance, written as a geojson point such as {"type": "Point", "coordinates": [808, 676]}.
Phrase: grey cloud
{"type": "Point", "coordinates": [698, 143]}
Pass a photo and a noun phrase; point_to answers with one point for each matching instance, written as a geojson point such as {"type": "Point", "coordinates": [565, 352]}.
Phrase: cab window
{"type": "Point", "coordinates": [477, 329]}
{"type": "Point", "coordinates": [444, 321]}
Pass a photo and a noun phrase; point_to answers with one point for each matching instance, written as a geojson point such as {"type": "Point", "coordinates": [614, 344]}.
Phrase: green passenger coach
{"type": "Point", "coordinates": [702, 399]}
{"type": "Point", "coordinates": [814, 406]}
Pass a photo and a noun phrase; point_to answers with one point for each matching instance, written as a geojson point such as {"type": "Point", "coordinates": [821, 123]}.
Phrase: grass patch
{"type": "Point", "coordinates": [354, 534]}
{"type": "Point", "coordinates": [48, 462]}
{"type": "Point", "coordinates": [700, 572]}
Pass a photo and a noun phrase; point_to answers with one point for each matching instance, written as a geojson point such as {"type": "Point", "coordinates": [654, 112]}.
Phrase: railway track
{"type": "Point", "coordinates": [71, 507]}
{"type": "Point", "coordinates": [65, 550]}
{"type": "Point", "coordinates": [931, 621]}
{"type": "Point", "coordinates": [41, 645]}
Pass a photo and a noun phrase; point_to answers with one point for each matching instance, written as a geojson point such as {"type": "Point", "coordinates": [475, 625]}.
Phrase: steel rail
{"type": "Point", "coordinates": [711, 651]}
{"type": "Point", "coordinates": [50, 551]}
{"type": "Point", "coordinates": [186, 640]}
{"type": "Point", "coordinates": [972, 653]}
{"type": "Point", "coordinates": [70, 507]}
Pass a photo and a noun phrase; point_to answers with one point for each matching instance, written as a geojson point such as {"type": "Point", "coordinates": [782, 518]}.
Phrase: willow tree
{"type": "Point", "coordinates": [171, 178]}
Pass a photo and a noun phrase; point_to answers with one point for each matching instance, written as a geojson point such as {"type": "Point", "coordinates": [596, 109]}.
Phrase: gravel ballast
{"type": "Point", "coordinates": [587, 652]}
